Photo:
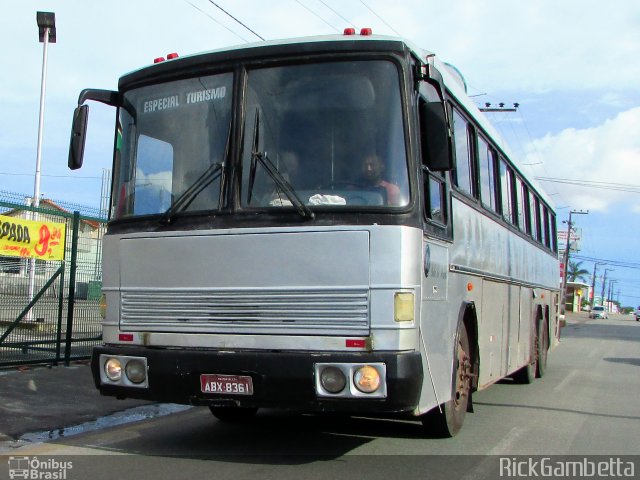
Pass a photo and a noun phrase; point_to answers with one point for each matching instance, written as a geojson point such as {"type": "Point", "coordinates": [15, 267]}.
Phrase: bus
{"type": "Point", "coordinates": [322, 224]}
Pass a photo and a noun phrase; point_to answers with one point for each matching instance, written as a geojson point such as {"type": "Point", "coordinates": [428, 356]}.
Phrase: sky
{"type": "Point", "coordinates": [571, 65]}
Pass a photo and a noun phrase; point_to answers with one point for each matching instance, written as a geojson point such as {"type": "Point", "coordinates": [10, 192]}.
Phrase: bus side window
{"type": "Point", "coordinates": [435, 203]}
{"type": "Point", "coordinates": [487, 171]}
{"type": "Point", "coordinates": [462, 136]}
{"type": "Point", "coordinates": [535, 218]}
{"type": "Point", "coordinates": [434, 183]}
{"type": "Point", "coordinates": [506, 191]}
{"type": "Point", "coordinates": [547, 227]}
{"type": "Point", "coordinates": [526, 209]}
{"type": "Point", "coordinates": [520, 199]}
{"type": "Point", "coordinates": [554, 233]}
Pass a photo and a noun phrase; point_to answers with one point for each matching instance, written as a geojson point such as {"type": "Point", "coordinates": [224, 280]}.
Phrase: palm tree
{"type": "Point", "coordinates": [576, 273]}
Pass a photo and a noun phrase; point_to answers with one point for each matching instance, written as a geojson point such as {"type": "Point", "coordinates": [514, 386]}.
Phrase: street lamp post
{"type": "Point", "coordinates": [47, 34]}
{"type": "Point", "coordinates": [566, 257]}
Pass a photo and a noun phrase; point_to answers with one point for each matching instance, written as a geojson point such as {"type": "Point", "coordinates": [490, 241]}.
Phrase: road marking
{"type": "Point", "coordinates": [486, 468]}
{"type": "Point", "coordinates": [565, 381]}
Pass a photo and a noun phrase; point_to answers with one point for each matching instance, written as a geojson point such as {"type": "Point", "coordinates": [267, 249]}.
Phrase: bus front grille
{"type": "Point", "coordinates": [340, 311]}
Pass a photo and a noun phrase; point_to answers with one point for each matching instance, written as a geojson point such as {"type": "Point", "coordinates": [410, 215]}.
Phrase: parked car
{"type": "Point", "coordinates": [637, 314]}
{"type": "Point", "coordinates": [599, 312]}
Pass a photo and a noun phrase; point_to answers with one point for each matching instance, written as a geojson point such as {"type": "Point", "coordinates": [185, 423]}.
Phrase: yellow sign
{"type": "Point", "coordinates": [30, 239]}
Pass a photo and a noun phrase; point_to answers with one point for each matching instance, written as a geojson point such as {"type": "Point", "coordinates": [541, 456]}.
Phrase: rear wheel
{"type": "Point", "coordinates": [233, 414]}
{"type": "Point", "coordinates": [446, 420]}
{"type": "Point", "coordinates": [526, 375]}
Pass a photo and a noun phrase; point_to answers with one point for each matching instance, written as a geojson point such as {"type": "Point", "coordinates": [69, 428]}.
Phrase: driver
{"type": "Point", "coordinates": [372, 170]}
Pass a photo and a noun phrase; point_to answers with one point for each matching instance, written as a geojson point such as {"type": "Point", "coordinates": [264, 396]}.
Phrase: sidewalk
{"type": "Point", "coordinates": [41, 398]}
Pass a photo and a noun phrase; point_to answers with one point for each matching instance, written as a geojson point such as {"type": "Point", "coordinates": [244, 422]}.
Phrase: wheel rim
{"type": "Point", "coordinates": [463, 373]}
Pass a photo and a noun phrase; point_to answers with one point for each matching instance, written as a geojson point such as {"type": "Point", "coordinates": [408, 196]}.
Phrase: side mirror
{"type": "Point", "coordinates": [434, 134]}
{"type": "Point", "coordinates": [78, 135]}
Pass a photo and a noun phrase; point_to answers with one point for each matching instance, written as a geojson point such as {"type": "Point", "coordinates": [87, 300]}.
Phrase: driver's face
{"type": "Point", "coordinates": [371, 168]}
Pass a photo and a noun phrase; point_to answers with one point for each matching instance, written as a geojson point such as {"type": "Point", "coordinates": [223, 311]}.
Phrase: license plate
{"type": "Point", "coordinates": [226, 384]}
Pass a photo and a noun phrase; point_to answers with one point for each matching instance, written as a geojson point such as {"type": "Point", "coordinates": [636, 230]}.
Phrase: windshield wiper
{"type": "Point", "coordinates": [283, 185]}
{"type": "Point", "coordinates": [212, 173]}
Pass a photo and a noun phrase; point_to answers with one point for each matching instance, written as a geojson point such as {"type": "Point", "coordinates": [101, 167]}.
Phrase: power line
{"type": "Point", "coordinates": [613, 263]}
{"type": "Point", "coordinates": [217, 21]}
{"type": "Point", "coordinates": [316, 15]}
{"type": "Point", "coordinates": [235, 19]}
{"type": "Point", "coordinates": [338, 14]}
{"type": "Point", "coordinates": [52, 176]}
{"type": "Point", "coordinates": [619, 187]}
{"type": "Point", "coordinates": [380, 18]}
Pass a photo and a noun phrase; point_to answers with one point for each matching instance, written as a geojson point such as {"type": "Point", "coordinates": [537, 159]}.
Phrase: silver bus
{"type": "Point", "coordinates": [325, 224]}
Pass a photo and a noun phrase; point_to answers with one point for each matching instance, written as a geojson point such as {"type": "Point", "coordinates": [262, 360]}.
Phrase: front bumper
{"type": "Point", "coordinates": [280, 379]}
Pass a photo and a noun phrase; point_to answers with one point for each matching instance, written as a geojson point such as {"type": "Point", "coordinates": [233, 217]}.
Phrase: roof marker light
{"type": "Point", "coordinates": [349, 31]}
{"type": "Point", "coordinates": [158, 60]}
{"type": "Point", "coordinates": [366, 31]}
{"type": "Point", "coordinates": [171, 56]}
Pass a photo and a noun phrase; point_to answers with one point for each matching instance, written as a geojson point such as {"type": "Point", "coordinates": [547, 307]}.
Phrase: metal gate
{"type": "Point", "coordinates": [50, 310]}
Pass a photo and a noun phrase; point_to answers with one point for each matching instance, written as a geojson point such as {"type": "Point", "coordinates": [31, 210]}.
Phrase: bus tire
{"type": "Point", "coordinates": [542, 348]}
{"type": "Point", "coordinates": [446, 420]}
{"type": "Point", "coordinates": [527, 374]}
{"type": "Point", "coordinates": [233, 414]}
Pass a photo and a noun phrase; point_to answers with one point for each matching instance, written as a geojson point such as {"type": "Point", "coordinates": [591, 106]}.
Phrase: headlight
{"type": "Point", "coordinates": [333, 380]}
{"type": "Point", "coordinates": [135, 371]}
{"type": "Point", "coordinates": [367, 379]}
{"type": "Point", "coordinates": [113, 369]}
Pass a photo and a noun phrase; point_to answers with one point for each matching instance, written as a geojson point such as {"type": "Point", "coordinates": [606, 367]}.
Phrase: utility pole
{"type": "Point", "coordinates": [610, 294]}
{"type": "Point", "coordinates": [604, 281]}
{"type": "Point", "coordinates": [593, 283]}
{"type": "Point", "coordinates": [566, 258]}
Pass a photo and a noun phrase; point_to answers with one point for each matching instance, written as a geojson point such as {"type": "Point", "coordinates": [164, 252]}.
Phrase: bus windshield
{"type": "Point", "coordinates": [323, 135]}
{"type": "Point", "coordinates": [172, 142]}
{"type": "Point", "coordinates": [334, 131]}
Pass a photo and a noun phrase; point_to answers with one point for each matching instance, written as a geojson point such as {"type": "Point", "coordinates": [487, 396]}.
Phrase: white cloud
{"type": "Point", "coordinates": [608, 153]}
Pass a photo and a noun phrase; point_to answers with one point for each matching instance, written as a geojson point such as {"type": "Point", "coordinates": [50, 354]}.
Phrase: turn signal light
{"type": "Point", "coordinates": [403, 307]}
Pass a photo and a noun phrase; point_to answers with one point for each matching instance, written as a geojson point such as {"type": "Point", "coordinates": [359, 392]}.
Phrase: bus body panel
{"type": "Point", "coordinates": [507, 279]}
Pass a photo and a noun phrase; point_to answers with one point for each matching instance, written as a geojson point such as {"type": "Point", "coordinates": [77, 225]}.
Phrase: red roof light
{"type": "Point", "coordinates": [171, 56]}
{"type": "Point", "coordinates": [349, 31]}
{"type": "Point", "coordinates": [158, 60]}
{"type": "Point", "coordinates": [366, 31]}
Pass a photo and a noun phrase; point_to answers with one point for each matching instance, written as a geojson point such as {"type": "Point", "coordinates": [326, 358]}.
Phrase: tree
{"type": "Point", "coordinates": [576, 273]}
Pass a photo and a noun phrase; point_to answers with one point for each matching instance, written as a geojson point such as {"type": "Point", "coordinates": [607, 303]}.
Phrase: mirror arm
{"type": "Point", "coordinates": [108, 97]}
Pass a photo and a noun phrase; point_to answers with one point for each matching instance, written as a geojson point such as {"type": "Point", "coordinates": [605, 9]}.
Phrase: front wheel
{"type": "Point", "coordinates": [446, 420]}
{"type": "Point", "coordinates": [233, 414]}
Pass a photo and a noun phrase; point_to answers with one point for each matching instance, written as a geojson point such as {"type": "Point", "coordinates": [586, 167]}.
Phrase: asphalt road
{"type": "Point", "coordinates": [587, 404]}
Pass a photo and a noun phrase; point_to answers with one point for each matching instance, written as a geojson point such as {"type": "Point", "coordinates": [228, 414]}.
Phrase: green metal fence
{"type": "Point", "coordinates": [53, 314]}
